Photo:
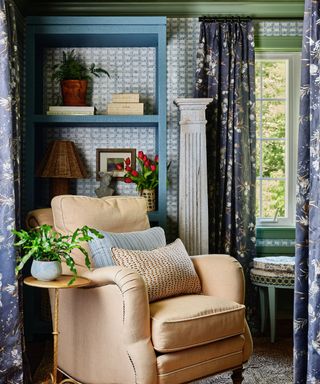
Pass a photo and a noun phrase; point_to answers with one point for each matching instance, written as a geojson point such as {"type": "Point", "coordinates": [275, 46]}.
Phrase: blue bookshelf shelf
{"type": "Point", "coordinates": [97, 120]}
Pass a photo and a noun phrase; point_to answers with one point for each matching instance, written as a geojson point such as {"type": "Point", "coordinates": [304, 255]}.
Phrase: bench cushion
{"type": "Point", "coordinates": [275, 263]}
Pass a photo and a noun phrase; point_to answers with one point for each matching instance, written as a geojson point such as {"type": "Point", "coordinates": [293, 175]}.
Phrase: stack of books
{"type": "Point", "coordinates": [70, 110]}
{"type": "Point", "coordinates": [125, 104]}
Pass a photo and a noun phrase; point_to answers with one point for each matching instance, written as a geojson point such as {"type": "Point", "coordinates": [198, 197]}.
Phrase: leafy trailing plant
{"type": "Point", "coordinates": [45, 244]}
{"type": "Point", "coordinates": [72, 67]}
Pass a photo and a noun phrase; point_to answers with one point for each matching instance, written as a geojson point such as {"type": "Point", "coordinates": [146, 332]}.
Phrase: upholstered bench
{"type": "Point", "coordinates": [269, 273]}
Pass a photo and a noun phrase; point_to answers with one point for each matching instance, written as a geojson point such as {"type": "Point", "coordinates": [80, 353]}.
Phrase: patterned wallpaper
{"type": "Point", "coordinates": [138, 76]}
{"type": "Point", "coordinates": [276, 28]}
{"type": "Point", "coordinates": [130, 69]}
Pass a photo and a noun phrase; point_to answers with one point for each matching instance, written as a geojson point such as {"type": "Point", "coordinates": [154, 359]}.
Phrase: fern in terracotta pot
{"type": "Point", "coordinates": [73, 75]}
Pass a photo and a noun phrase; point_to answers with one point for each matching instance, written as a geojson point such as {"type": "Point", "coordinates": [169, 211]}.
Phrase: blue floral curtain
{"type": "Point", "coordinates": [307, 281]}
{"type": "Point", "coordinates": [10, 318]}
{"type": "Point", "coordinates": [225, 72]}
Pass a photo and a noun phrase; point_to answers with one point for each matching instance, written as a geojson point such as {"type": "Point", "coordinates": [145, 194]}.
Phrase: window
{"type": "Point", "coordinates": [277, 109]}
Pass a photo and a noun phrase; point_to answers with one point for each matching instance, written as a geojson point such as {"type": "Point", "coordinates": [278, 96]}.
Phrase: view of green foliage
{"type": "Point", "coordinates": [271, 89]}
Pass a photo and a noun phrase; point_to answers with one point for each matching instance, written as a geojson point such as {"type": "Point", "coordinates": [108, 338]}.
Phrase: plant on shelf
{"type": "Point", "coordinates": [49, 248]}
{"type": "Point", "coordinates": [73, 74]}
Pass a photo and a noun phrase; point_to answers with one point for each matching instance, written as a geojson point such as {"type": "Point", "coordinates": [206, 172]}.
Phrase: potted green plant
{"type": "Point", "coordinates": [73, 74]}
{"type": "Point", "coordinates": [49, 248]}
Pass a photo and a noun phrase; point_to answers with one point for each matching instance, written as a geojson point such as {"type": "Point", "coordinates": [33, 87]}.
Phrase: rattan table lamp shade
{"type": "Point", "coordinates": [61, 163]}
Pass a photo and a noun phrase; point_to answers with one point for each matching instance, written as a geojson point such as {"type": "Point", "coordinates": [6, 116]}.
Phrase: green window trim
{"type": "Point", "coordinates": [277, 44]}
{"type": "Point", "coordinates": [188, 8]}
{"type": "Point", "coordinates": [275, 232]}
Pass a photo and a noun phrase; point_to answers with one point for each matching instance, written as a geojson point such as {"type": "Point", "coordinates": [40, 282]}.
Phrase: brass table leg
{"type": "Point", "coordinates": [62, 282]}
{"type": "Point", "coordinates": [55, 333]}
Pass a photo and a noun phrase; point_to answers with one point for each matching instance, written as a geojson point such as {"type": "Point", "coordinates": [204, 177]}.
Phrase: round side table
{"type": "Point", "coordinates": [269, 274]}
{"type": "Point", "coordinates": [60, 283]}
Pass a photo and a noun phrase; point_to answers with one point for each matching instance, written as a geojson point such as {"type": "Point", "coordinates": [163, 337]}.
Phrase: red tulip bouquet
{"type": "Point", "coordinates": [147, 176]}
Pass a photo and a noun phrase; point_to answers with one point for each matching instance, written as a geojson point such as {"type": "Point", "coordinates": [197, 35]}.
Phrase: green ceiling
{"type": "Point", "coordinates": [285, 9]}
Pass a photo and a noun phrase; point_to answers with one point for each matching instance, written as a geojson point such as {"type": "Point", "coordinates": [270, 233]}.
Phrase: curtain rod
{"type": "Point", "coordinates": [247, 18]}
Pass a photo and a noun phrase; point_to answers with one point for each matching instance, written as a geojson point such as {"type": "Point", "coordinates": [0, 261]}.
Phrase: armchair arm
{"type": "Point", "coordinates": [124, 289]}
{"type": "Point", "coordinates": [221, 276]}
{"type": "Point", "coordinates": [38, 217]}
{"type": "Point", "coordinates": [107, 275]}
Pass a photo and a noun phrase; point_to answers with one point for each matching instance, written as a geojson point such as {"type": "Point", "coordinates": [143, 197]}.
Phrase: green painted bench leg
{"type": "Point", "coordinates": [272, 311]}
{"type": "Point", "coordinates": [262, 296]}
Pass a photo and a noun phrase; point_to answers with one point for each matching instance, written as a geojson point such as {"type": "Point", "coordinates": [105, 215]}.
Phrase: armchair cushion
{"type": "Point", "coordinates": [193, 320]}
{"type": "Point", "coordinates": [167, 271]}
{"type": "Point", "coordinates": [110, 213]}
{"type": "Point", "coordinates": [146, 240]}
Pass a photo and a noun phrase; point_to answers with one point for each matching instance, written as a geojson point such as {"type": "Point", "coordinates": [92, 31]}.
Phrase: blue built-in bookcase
{"type": "Point", "coordinates": [133, 50]}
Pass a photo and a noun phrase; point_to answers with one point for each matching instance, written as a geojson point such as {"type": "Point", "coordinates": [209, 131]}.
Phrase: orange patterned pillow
{"type": "Point", "coordinates": [167, 271]}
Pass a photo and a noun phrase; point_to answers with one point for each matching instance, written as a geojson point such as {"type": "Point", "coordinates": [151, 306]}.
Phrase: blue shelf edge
{"type": "Point", "coordinates": [96, 119]}
{"type": "Point", "coordinates": [96, 20]}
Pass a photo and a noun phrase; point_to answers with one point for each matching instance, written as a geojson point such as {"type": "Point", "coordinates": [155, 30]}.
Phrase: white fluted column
{"type": "Point", "coordinates": [193, 187]}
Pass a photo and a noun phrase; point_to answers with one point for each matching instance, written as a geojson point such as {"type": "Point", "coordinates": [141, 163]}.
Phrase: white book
{"type": "Point", "coordinates": [70, 113]}
{"type": "Point", "coordinates": [62, 108]}
{"type": "Point", "coordinates": [125, 97]}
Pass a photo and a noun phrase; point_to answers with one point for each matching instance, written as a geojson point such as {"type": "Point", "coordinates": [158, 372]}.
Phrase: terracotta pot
{"type": "Point", "coordinates": [74, 92]}
{"type": "Point", "coordinates": [150, 196]}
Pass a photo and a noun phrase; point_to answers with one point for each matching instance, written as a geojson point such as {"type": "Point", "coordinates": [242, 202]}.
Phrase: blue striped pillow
{"type": "Point", "coordinates": [146, 240]}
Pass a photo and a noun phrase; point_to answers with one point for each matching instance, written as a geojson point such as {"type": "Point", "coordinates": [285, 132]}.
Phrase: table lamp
{"type": "Point", "coordinates": [61, 163]}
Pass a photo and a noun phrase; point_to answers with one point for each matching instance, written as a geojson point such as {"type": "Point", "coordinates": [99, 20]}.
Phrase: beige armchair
{"type": "Point", "coordinates": [110, 333]}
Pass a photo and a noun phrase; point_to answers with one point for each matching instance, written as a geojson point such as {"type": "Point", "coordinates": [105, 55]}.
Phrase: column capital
{"type": "Point", "coordinates": [192, 102]}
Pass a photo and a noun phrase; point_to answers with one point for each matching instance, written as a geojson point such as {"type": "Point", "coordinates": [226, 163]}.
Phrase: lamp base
{"type": "Point", "coordinates": [59, 186]}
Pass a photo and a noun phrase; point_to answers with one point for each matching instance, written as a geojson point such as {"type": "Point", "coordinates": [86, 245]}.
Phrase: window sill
{"type": "Point", "coordinates": [275, 227]}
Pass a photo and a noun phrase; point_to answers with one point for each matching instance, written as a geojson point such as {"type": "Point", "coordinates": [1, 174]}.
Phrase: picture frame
{"type": "Point", "coordinates": [107, 158]}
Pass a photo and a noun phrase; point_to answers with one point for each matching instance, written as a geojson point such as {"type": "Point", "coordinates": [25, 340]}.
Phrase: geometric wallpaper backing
{"type": "Point", "coordinates": [132, 70]}
{"type": "Point", "coordinates": [279, 28]}
{"type": "Point", "coordinates": [88, 139]}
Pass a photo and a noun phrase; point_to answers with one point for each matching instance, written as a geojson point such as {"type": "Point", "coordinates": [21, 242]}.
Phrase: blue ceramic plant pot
{"type": "Point", "coordinates": [46, 270]}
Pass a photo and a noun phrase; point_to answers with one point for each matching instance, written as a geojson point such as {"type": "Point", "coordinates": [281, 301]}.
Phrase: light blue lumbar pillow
{"type": "Point", "coordinates": [146, 240]}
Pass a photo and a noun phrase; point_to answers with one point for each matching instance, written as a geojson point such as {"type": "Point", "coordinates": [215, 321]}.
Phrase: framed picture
{"type": "Point", "coordinates": [111, 159]}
